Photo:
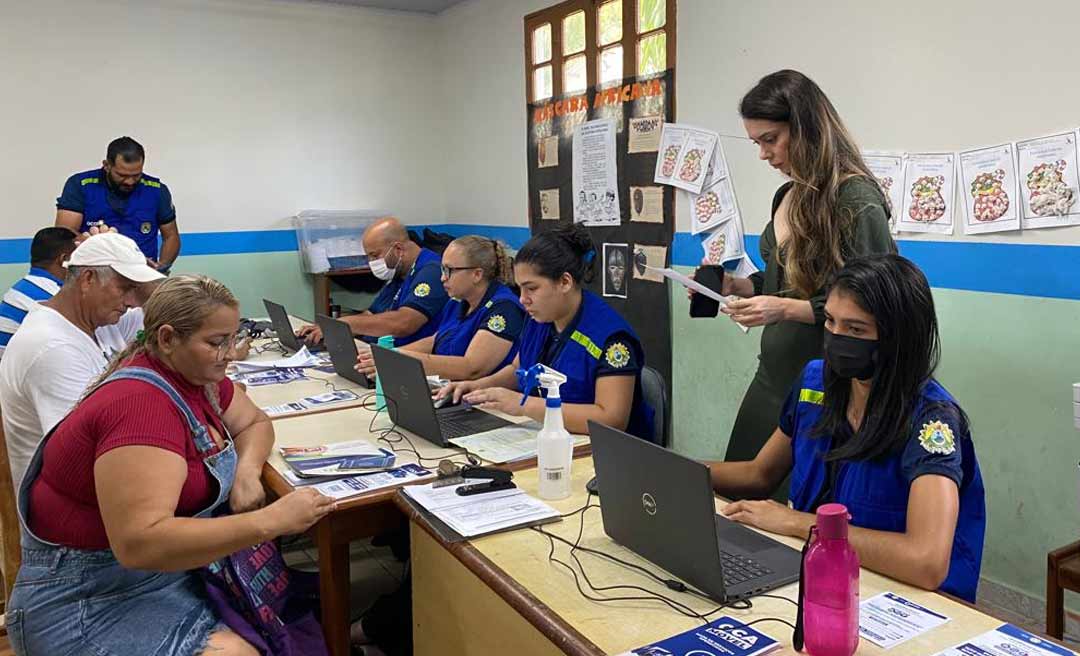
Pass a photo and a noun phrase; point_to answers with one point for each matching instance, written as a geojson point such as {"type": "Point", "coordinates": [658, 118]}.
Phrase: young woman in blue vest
{"type": "Point", "coordinates": [573, 331]}
{"type": "Point", "coordinates": [479, 328]}
{"type": "Point", "coordinates": [870, 428]}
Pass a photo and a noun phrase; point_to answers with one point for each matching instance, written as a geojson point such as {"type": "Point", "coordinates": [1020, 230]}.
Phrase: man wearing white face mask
{"type": "Point", "coordinates": [409, 304]}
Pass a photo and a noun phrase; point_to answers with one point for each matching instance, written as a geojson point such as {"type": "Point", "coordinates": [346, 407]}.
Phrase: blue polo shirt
{"type": "Point", "coordinates": [420, 289]}
{"type": "Point", "coordinates": [499, 312]}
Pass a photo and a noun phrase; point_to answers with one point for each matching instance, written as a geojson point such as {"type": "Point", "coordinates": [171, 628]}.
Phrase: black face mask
{"type": "Point", "coordinates": [851, 357]}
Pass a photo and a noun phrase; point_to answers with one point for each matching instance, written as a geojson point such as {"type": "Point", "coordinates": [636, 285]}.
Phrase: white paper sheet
{"type": "Point", "coordinates": [671, 143]}
{"type": "Point", "coordinates": [696, 286]}
{"type": "Point", "coordinates": [989, 187]}
{"type": "Point", "coordinates": [595, 177]}
{"type": "Point", "coordinates": [712, 206]}
{"type": "Point", "coordinates": [694, 159]}
{"type": "Point", "coordinates": [479, 514]}
{"type": "Point", "coordinates": [888, 168]}
{"type": "Point", "coordinates": [549, 204]}
{"type": "Point", "coordinates": [615, 281]}
{"type": "Point", "coordinates": [725, 243]}
{"type": "Point", "coordinates": [354, 485]}
{"type": "Point", "coordinates": [1047, 169]}
{"type": "Point", "coordinates": [888, 620]}
{"type": "Point", "coordinates": [647, 204]}
{"type": "Point", "coordinates": [929, 193]}
{"type": "Point", "coordinates": [300, 359]}
{"type": "Point", "coordinates": [745, 267]}
{"type": "Point", "coordinates": [1006, 640]}
{"type": "Point", "coordinates": [506, 444]}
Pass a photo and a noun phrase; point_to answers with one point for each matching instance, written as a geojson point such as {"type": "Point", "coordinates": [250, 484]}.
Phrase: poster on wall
{"type": "Point", "coordinates": [888, 170]}
{"type": "Point", "coordinates": [595, 179]}
{"type": "Point", "coordinates": [648, 257]}
{"type": "Point", "coordinates": [929, 186]}
{"type": "Point", "coordinates": [549, 204]}
{"type": "Point", "coordinates": [686, 153]}
{"type": "Point", "coordinates": [726, 243]}
{"type": "Point", "coordinates": [712, 207]}
{"type": "Point", "coordinates": [547, 152]}
{"type": "Point", "coordinates": [1048, 175]}
{"type": "Point", "coordinates": [647, 204]}
{"type": "Point", "coordinates": [616, 267]}
{"type": "Point", "coordinates": [990, 189]}
{"type": "Point", "coordinates": [645, 134]}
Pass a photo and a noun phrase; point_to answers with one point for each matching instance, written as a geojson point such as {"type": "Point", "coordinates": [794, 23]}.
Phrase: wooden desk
{"type": "Point", "coordinates": [354, 518]}
{"type": "Point", "coordinates": [501, 595]}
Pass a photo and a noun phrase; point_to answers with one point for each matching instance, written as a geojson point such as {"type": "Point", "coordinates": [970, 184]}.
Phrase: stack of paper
{"type": "Point", "coordinates": [268, 377]}
{"type": "Point", "coordinates": [353, 457]}
{"type": "Point", "coordinates": [301, 358]}
{"type": "Point", "coordinates": [309, 402]}
{"type": "Point", "coordinates": [1007, 640]}
{"type": "Point", "coordinates": [479, 514]}
{"type": "Point", "coordinates": [723, 637]}
{"type": "Point", "coordinates": [506, 444]}
{"type": "Point", "coordinates": [354, 485]}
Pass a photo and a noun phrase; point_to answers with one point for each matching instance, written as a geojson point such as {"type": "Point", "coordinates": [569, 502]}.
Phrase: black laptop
{"type": "Point", "coordinates": [340, 344]}
{"type": "Point", "coordinates": [660, 504]}
{"type": "Point", "coordinates": [284, 331]}
{"type": "Point", "coordinates": [410, 406]}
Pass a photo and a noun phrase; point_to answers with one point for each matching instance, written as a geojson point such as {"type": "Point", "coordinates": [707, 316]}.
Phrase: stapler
{"type": "Point", "coordinates": [450, 474]}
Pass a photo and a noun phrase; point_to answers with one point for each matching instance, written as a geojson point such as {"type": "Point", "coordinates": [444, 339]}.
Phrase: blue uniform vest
{"type": "Point", "coordinates": [455, 332]}
{"type": "Point", "coordinates": [876, 492]}
{"type": "Point", "coordinates": [139, 220]}
{"type": "Point", "coordinates": [580, 357]}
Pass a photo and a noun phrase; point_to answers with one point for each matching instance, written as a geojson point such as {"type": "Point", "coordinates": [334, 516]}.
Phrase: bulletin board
{"type": "Point", "coordinates": [638, 106]}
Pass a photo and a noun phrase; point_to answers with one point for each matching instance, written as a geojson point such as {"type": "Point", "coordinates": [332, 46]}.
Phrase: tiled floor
{"type": "Point", "coordinates": [373, 570]}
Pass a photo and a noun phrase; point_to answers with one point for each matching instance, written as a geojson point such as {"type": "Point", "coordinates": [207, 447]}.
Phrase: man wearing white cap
{"type": "Point", "coordinates": [55, 355]}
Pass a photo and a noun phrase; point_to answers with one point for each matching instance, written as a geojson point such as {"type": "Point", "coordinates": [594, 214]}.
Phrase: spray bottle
{"type": "Point", "coordinates": [387, 342]}
{"type": "Point", "coordinates": [554, 446]}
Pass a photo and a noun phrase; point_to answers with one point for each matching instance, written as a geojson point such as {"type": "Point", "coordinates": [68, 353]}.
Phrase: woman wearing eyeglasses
{"type": "Point", "coordinates": [478, 329]}
{"type": "Point", "coordinates": [152, 477]}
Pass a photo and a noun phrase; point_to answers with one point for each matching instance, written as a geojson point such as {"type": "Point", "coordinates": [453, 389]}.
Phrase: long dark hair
{"type": "Point", "coordinates": [565, 249]}
{"type": "Point", "coordinates": [896, 293]}
{"type": "Point", "coordinates": [822, 155]}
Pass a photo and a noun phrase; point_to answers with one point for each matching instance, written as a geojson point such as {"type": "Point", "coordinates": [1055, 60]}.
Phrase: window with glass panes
{"type": "Point", "coordinates": [580, 44]}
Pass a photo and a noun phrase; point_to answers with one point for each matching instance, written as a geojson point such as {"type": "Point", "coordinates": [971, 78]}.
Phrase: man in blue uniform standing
{"type": "Point", "coordinates": [409, 304]}
{"type": "Point", "coordinates": [119, 195]}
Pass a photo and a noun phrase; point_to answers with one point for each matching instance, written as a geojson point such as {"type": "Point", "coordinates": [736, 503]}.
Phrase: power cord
{"type": "Point", "coordinates": [672, 584]}
{"type": "Point", "coordinates": [393, 437]}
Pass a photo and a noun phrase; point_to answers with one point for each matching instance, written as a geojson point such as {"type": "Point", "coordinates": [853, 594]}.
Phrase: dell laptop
{"type": "Point", "coordinates": [284, 331]}
{"type": "Point", "coordinates": [660, 504]}
{"type": "Point", "coordinates": [340, 344]}
{"type": "Point", "coordinates": [409, 402]}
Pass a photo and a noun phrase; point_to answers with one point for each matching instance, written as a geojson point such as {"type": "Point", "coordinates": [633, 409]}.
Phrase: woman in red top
{"type": "Point", "coordinates": [123, 501]}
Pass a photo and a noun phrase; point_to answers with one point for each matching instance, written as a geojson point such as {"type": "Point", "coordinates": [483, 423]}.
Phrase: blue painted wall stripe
{"type": "Point", "coordinates": [1026, 269]}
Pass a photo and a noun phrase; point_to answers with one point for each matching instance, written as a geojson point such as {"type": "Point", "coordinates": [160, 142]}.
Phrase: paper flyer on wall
{"type": "Point", "coordinates": [929, 193]}
{"type": "Point", "coordinates": [1047, 169]}
{"type": "Point", "coordinates": [1006, 640]}
{"type": "Point", "coordinates": [549, 204]}
{"type": "Point", "coordinates": [723, 637]}
{"type": "Point", "coordinates": [671, 142]}
{"type": "Point", "coordinates": [684, 157]}
{"type": "Point", "coordinates": [712, 206]}
{"type": "Point", "coordinates": [547, 151]}
{"type": "Point", "coordinates": [718, 167]}
{"type": "Point", "coordinates": [646, 260]}
{"type": "Point", "coordinates": [645, 134]}
{"type": "Point", "coordinates": [647, 204]}
{"type": "Point", "coordinates": [989, 187]}
{"type": "Point", "coordinates": [595, 178]}
{"type": "Point", "coordinates": [888, 169]}
{"type": "Point", "coordinates": [725, 243]}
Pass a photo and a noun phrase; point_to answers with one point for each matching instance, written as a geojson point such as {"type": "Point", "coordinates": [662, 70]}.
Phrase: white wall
{"type": "Point", "coordinates": [483, 63]}
{"type": "Point", "coordinates": [250, 110]}
{"type": "Point", "coordinates": [915, 75]}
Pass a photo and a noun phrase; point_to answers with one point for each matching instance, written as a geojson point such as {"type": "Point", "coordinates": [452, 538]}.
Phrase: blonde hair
{"type": "Point", "coordinates": [182, 302]}
{"type": "Point", "coordinates": [822, 155]}
{"type": "Point", "coordinates": [489, 255]}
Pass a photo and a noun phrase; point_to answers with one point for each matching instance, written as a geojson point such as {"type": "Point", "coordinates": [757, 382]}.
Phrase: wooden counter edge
{"type": "Point", "coordinates": [535, 612]}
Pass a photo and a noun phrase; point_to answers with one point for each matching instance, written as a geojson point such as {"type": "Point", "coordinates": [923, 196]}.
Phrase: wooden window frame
{"type": "Point", "coordinates": [630, 37]}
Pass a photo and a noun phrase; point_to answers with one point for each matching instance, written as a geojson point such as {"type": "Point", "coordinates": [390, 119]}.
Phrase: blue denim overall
{"type": "Point", "coordinates": [78, 602]}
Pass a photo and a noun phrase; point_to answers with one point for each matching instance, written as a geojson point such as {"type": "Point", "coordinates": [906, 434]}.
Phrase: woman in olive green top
{"type": "Point", "coordinates": [831, 210]}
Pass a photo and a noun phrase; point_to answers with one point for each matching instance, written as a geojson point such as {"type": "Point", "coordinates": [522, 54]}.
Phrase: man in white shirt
{"type": "Point", "coordinates": [55, 355]}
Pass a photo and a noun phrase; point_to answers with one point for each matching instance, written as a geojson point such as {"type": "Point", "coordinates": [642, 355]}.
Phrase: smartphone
{"type": "Point", "coordinates": [712, 276]}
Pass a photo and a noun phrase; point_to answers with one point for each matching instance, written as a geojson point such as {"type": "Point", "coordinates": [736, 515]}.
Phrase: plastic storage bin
{"type": "Point", "coordinates": [331, 240]}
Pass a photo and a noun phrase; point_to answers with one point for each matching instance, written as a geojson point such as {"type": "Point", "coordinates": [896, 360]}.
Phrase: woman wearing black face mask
{"type": "Point", "coordinates": [870, 428]}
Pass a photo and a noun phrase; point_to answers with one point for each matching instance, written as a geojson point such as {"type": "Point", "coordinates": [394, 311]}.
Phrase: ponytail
{"type": "Point", "coordinates": [566, 249]}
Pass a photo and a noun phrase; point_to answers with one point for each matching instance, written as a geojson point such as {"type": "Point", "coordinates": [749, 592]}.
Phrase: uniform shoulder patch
{"type": "Point", "coordinates": [617, 355]}
{"type": "Point", "coordinates": [496, 323]}
{"type": "Point", "coordinates": [937, 437]}
{"type": "Point", "coordinates": [422, 290]}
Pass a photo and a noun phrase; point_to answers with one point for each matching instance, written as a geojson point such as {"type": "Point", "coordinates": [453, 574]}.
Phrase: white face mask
{"type": "Point", "coordinates": [380, 270]}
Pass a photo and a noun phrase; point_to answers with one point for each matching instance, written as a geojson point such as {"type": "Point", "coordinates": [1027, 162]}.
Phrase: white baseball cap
{"type": "Point", "coordinates": [117, 252]}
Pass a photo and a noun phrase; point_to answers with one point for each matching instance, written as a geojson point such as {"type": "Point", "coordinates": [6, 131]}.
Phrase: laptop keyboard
{"type": "Point", "coordinates": [740, 569]}
{"type": "Point", "coordinates": [460, 424]}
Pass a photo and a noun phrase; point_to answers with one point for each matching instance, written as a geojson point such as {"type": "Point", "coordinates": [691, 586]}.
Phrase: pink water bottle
{"type": "Point", "coordinates": [830, 587]}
